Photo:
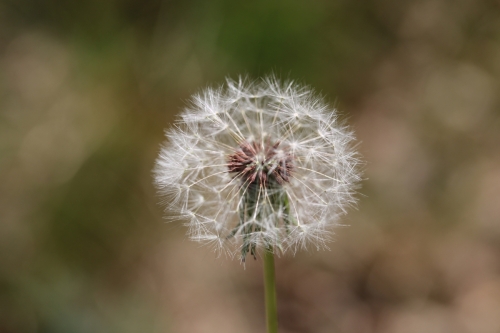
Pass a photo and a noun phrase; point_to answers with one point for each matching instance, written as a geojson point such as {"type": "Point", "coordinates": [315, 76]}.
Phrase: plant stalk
{"type": "Point", "coordinates": [270, 292]}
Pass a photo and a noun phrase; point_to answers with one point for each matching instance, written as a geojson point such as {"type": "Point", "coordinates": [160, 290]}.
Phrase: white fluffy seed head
{"type": "Point", "coordinates": [258, 165]}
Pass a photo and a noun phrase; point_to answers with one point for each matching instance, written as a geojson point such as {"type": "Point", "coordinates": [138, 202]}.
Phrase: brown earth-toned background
{"type": "Point", "coordinates": [87, 88]}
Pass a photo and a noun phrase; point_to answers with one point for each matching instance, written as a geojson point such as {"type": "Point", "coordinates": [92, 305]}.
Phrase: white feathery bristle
{"type": "Point", "coordinates": [262, 163]}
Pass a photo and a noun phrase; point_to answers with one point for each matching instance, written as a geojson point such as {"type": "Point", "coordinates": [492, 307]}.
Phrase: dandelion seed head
{"type": "Point", "coordinates": [254, 165]}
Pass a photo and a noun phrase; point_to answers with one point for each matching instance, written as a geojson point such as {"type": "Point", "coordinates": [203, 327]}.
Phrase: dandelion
{"type": "Point", "coordinates": [258, 165]}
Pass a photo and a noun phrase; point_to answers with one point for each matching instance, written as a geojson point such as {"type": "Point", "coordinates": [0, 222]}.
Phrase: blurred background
{"type": "Point", "coordinates": [87, 88]}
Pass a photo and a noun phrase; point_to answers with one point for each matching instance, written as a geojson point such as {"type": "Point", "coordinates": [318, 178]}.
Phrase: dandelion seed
{"type": "Point", "coordinates": [258, 165]}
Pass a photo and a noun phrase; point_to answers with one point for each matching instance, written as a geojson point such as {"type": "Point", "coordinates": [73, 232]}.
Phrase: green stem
{"type": "Point", "coordinates": [270, 291]}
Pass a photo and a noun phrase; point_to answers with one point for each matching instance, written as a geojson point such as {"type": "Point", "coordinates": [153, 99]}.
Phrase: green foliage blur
{"type": "Point", "coordinates": [87, 88]}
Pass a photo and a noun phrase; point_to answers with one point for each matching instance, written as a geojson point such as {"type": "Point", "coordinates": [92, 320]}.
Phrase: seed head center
{"type": "Point", "coordinates": [261, 163]}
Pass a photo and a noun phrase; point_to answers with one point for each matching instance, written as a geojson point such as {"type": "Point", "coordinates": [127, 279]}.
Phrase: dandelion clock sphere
{"type": "Point", "coordinates": [260, 164]}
